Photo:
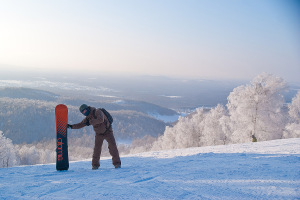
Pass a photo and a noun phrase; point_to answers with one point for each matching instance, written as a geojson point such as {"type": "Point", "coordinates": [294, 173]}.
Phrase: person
{"type": "Point", "coordinates": [254, 138]}
{"type": "Point", "coordinates": [103, 131]}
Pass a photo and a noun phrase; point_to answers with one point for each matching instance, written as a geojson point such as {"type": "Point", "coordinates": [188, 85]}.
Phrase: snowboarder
{"type": "Point", "coordinates": [103, 131]}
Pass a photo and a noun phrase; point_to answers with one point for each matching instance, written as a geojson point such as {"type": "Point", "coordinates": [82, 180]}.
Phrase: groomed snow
{"type": "Point", "coordinates": [263, 170]}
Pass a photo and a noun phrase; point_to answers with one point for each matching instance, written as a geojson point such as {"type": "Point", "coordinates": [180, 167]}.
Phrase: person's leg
{"type": "Point", "coordinates": [113, 150]}
{"type": "Point", "coordinates": [97, 151]}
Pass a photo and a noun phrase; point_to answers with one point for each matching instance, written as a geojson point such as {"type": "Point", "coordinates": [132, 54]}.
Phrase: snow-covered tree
{"type": "Point", "coordinates": [213, 133]}
{"type": "Point", "coordinates": [294, 108]}
{"type": "Point", "coordinates": [197, 122]}
{"type": "Point", "coordinates": [257, 109]}
{"type": "Point", "coordinates": [293, 128]}
{"type": "Point", "coordinates": [138, 145]}
{"type": "Point", "coordinates": [226, 128]}
{"type": "Point", "coordinates": [8, 156]}
{"type": "Point", "coordinates": [186, 133]}
{"type": "Point", "coordinates": [29, 155]}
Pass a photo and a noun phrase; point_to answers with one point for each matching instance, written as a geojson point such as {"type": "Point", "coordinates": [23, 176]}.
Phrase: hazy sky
{"type": "Point", "coordinates": [187, 38]}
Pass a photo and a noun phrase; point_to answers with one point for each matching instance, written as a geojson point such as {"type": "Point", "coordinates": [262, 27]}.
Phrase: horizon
{"type": "Point", "coordinates": [17, 73]}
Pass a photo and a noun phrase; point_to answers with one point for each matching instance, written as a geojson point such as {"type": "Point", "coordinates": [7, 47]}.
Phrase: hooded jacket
{"type": "Point", "coordinates": [97, 119]}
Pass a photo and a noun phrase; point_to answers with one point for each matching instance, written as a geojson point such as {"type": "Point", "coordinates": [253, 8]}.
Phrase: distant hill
{"type": "Point", "coordinates": [28, 93]}
{"type": "Point", "coordinates": [172, 93]}
{"type": "Point", "coordinates": [25, 120]}
{"type": "Point", "coordinates": [27, 115]}
{"type": "Point", "coordinates": [74, 100]}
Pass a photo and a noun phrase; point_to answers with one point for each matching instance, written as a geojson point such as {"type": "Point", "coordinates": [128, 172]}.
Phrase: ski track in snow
{"type": "Point", "coordinates": [264, 170]}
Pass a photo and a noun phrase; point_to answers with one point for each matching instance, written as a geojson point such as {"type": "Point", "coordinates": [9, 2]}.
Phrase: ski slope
{"type": "Point", "coordinates": [263, 170]}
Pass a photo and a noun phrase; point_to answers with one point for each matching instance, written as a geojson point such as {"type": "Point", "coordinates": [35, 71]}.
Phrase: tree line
{"type": "Point", "coordinates": [256, 110]}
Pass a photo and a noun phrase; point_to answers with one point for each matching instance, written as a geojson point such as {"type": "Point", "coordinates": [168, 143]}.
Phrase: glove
{"type": "Point", "coordinates": [69, 126]}
{"type": "Point", "coordinates": [87, 123]}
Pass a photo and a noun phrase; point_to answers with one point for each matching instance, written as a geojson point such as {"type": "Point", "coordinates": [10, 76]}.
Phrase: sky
{"type": "Point", "coordinates": [217, 39]}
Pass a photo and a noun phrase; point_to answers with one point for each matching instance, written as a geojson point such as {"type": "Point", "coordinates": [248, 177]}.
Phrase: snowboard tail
{"type": "Point", "coordinates": [61, 117]}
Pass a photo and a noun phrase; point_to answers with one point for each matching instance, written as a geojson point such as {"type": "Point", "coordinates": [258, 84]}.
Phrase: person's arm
{"type": "Point", "coordinates": [82, 124]}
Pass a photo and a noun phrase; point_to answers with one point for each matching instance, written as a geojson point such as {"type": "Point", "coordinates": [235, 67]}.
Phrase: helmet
{"type": "Point", "coordinates": [84, 109]}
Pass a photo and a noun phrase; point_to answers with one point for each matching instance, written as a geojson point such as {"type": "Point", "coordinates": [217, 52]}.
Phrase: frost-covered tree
{"type": "Point", "coordinates": [8, 156]}
{"type": "Point", "coordinates": [293, 128]}
{"type": "Point", "coordinates": [213, 131]}
{"type": "Point", "coordinates": [294, 108]}
{"type": "Point", "coordinates": [186, 133]}
{"type": "Point", "coordinates": [257, 109]}
{"type": "Point", "coordinates": [29, 155]}
{"type": "Point", "coordinates": [138, 145]}
{"type": "Point", "coordinates": [226, 128]}
{"type": "Point", "coordinates": [174, 137]}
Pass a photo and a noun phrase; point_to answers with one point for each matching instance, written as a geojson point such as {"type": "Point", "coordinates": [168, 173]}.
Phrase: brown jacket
{"type": "Point", "coordinates": [97, 119]}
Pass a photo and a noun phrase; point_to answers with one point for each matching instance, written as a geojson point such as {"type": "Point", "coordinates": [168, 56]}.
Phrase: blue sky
{"type": "Point", "coordinates": [217, 39]}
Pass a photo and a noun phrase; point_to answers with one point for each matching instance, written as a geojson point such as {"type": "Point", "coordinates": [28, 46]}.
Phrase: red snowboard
{"type": "Point", "coordinates": [61, 117]}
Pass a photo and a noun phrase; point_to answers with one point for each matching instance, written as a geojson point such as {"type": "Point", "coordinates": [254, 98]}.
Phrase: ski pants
{"type": "Point", "coordinates": [112, 147]}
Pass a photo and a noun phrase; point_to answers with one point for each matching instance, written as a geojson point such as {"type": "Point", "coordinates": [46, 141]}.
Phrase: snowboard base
{"type": "Point", "coordinates": [61, 117]}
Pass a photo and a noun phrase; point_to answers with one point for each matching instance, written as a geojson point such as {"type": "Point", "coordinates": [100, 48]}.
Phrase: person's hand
{"type": "Point", "coordinates": [69, 126]}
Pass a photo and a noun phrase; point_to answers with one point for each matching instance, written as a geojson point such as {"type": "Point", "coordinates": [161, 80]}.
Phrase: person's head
{"type": "Point", "coordinates": [84, 109]}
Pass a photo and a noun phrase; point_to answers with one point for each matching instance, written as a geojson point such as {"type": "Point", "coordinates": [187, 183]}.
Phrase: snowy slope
{"type": "Point", "coordinates": [264, 170]}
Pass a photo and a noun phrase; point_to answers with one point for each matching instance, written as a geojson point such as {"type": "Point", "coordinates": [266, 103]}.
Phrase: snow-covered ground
{"type": "Point", "coordinates": [263, 170]}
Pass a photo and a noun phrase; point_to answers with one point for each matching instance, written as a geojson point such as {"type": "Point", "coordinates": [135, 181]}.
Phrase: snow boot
{"type": "Point", "coordinates": [95, 167]}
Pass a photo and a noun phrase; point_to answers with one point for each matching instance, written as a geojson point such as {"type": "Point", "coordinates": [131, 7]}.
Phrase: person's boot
{"type": "Point", "coordinates": [94, 167]}
{"type": "Point", "coordinates": [118, 166]}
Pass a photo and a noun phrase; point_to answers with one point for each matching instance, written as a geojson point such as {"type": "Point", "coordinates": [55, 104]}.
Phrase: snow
{"type": "Point", "coordinates": [263, 170]}
{"type": "Point", "coordinates": [171, 97]}
{"type": "Point", "coordinates": [165, 118]}
{"type": "Point", "coordinates": [106, 96]}
{"type": "Point", "coordinates": [119, 102]}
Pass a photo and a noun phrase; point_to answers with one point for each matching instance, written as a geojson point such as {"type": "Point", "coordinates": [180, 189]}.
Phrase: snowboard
{"type": "Point", "coordinates": [61, 118]}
